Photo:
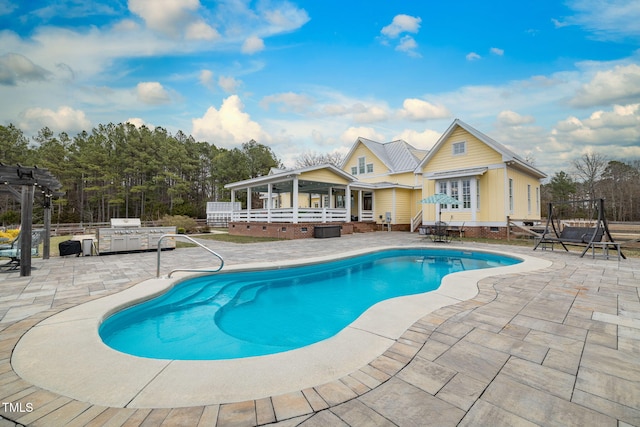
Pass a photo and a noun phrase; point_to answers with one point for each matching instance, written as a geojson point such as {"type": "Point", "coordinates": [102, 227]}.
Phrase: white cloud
{"type": "Point", "coordinates": [15, 68]}
{"type": "Point", "coordinates": [170, 17]}
{"type": "Point", "coordinates": [402, 24]}
{"type": "Point", "coordinates": [472, 56]}
{"type": "Point", "coordinates": [288, 101]}
{"type": "Point", "coordinates": [417, 109]}
{"type": "Point", "coordinates": [252, 45]}
{"type": "Point", "coordinates": [351, 135]}
{"type": "Point", "coordinates": [424, 140]}
{"type": "Point", "coordinates": [152, 93]}
{"type": "Point", "coordinates": [620, 84]}
{"type": "Point", "coordinates": [200, 30]}
{"type": "Point", "coordinates": [368, 113]}
{"type": "Point", "coordinates": [286, 17]}
{"type": "Point", "coordinates": [206, 78]}
{"type": "Point", "coordinates": [229, 84]}
{"type": "Point", "coordinates": [229, 126]}
{"type": "Point", "coordinates": [612, 19]}
{"type": "Point", "coordinates": [65, 119]}
{"type": "Point", "coordinates": [408, 45]}
{"type": "Point", "coordinates": [619, 126]}
{"type": "Point", "coordinates": [138, 122]}
{"type": "Point", "coordinates": [511, 118]}
{"type": "Point", "coordinates": [497, 51]}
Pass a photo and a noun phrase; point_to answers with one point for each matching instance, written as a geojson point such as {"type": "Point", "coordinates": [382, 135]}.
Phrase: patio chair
{"type": "Point", "coordinates": [13, 252]}
{"type": "Point", "coordinates": [8, 244]}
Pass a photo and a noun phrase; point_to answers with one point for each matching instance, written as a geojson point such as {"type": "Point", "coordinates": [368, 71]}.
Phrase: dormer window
{"type": "Point", "coordinates": [459, 148]}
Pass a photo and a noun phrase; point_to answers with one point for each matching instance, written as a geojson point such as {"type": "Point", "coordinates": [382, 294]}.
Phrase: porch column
{"type": "Point", "coordinates": [360, 204]}
{"type": "Point", "coordinates": [347, 202]}
{"type": "Point", "coordinates": [294, 202]}
{"type": "Point", "coordinates": [249, 204]}
{"type": "Point", "coordinates": [269, 195]}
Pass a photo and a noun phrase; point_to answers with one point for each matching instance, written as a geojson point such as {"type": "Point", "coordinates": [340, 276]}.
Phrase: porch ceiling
{"type": "Point", "coordinates": [303, 187]}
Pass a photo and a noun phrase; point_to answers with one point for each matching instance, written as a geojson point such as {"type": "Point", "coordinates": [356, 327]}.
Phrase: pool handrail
{"type": "Point", "coordinates": [203, 270]}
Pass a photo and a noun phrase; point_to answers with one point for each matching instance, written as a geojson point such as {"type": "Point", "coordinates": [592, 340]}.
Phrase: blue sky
{"type": "Point", "coordinates": [551, 80]}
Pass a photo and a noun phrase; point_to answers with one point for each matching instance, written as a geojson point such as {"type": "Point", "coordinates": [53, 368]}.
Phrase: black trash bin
{"type": "Point", "coordinates": [70, 247]}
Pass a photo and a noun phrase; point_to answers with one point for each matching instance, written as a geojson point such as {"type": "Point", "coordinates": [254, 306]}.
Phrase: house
{"type": "Point", "coordinates": [381, 185]}
{"type": "Point", "coordinates": [491, 182]}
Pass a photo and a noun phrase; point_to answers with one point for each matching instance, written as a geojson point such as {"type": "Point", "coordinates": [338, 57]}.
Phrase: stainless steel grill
{"type": "Point", "coordinates": [127, 235]}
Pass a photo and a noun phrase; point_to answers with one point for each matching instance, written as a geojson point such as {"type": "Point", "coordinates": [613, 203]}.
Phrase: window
{"type": "Point", "coordinates": [354, 170]}
{"type": "Point", "coordinates": [369, 167]}
{"type": "Point", "coordinates": [361, 165]}
{"type": "Point", "coordinates": [459, 148]}
{"type": "Point", "coordinates": [454, 193]}
{"type": "Point", "coordinates": [466, 194]}
{"type": "Point", "coordinates": [477, 194]}
{"type": "Point", "coordinates": [459, 189]}
{"type": "Point", "coordinates": [511, 195]}
{"type": "Point", "coordinates": [537, 200]}
{"type": "Point", "coordinates": [529, 198]}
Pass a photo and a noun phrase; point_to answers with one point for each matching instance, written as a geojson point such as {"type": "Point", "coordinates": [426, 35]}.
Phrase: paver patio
{"type": "Point", "coordinates": [558, 347]}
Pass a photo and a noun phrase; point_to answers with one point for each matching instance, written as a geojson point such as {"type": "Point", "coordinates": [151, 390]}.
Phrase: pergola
{"type": "Point", "coordinates": [23, 183]}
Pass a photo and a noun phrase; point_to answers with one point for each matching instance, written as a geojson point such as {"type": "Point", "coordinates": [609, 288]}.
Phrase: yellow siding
{"type": "Point", "coordinates": [402, 207]}
{"type": "Point", "coordinates": [383, 203]}
{"type": "Point", "coordinates": [477, 154]}
{"type": "Point", "coordinates": [379, 168]}
{"type": "Point", "coordinates": [407, 178]}
{"type": "Point", "coordinates": [521, 208]}
{"type": "Point", "coordinates": [322, 175]}
{"type": "Point", "coordinates": [492, 196]}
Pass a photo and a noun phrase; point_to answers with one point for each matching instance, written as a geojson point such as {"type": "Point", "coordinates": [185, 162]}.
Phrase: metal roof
{"type": "Point", "coordinates": [398, 156]}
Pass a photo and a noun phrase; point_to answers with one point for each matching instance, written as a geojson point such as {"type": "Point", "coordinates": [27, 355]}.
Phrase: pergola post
{"type": "Point", "coordinates": [25, 231]}
{"type": "Point", "coordinates": [46, 242]}
{"type": "Point", "coordinates": [347, 202]}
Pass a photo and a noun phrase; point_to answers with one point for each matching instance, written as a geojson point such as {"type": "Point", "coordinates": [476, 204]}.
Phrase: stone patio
{"type": "Point", "coordinates": [558, 347]}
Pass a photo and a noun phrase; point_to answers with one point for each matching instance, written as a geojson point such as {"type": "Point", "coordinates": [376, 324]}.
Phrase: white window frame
{"type": "Point", "coordinates": [361, 165]}
{"type": "Point", "coordinates": [354, 170]}
{"type": "Point", "coordinates": [369, 167]}
{"type": "Point", "coordinates": [529, 198]}
{"type": "Point", "coordinates": [459, 148]}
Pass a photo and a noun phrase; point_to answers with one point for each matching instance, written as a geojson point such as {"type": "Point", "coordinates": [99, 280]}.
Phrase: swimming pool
{"type": "Point", "coordinates": [243, 314]}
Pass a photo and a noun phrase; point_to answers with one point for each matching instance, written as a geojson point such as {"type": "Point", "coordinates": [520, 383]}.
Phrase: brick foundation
{"type": "Point", "coordinates": [281, 230]}
{"type": "Point", "coordinates": [306, 230]}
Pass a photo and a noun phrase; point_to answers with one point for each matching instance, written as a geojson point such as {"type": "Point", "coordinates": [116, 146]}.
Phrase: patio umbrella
{"type": "Point", "coordinates": [439, 199]}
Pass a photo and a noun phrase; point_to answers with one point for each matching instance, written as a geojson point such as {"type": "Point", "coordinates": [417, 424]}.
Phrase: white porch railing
{"type": "Point", "coordinates": [366, 216]}
{"type": "Point", "coordinates": [286, 215]}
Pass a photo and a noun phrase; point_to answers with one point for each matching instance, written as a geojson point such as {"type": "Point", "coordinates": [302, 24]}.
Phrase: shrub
{"type": "Point", "coordinates": [183, 223]}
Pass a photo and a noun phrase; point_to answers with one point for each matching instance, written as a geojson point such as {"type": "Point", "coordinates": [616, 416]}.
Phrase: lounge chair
{"type": "Point", "coordinates": [13, 251]}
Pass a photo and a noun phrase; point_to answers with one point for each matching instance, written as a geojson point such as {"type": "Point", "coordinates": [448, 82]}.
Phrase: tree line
{"type": "Point", "coordinates": [594, 176]}
{"type": "Point", "coordinates": [121, 170]}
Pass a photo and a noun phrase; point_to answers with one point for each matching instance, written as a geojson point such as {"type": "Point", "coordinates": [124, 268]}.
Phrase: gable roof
{"type": "Point", "coordinates": [508, 156]}
{"type": "Point", "coordinates": [277, 175]}
{"type": "Point", "coordinates": [397, 156]}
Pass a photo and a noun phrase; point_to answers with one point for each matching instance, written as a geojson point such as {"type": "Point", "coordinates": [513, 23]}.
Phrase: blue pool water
{"type": "Point", "coordinates": [242, 314]}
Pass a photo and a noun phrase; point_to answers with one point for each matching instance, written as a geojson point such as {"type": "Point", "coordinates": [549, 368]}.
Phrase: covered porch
{"type": "Point", "coordinates": [316, 194]}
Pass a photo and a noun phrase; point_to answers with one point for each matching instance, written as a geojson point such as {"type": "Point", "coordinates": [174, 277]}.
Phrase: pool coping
{"type": "Point", "coordinates": [79, 365]}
